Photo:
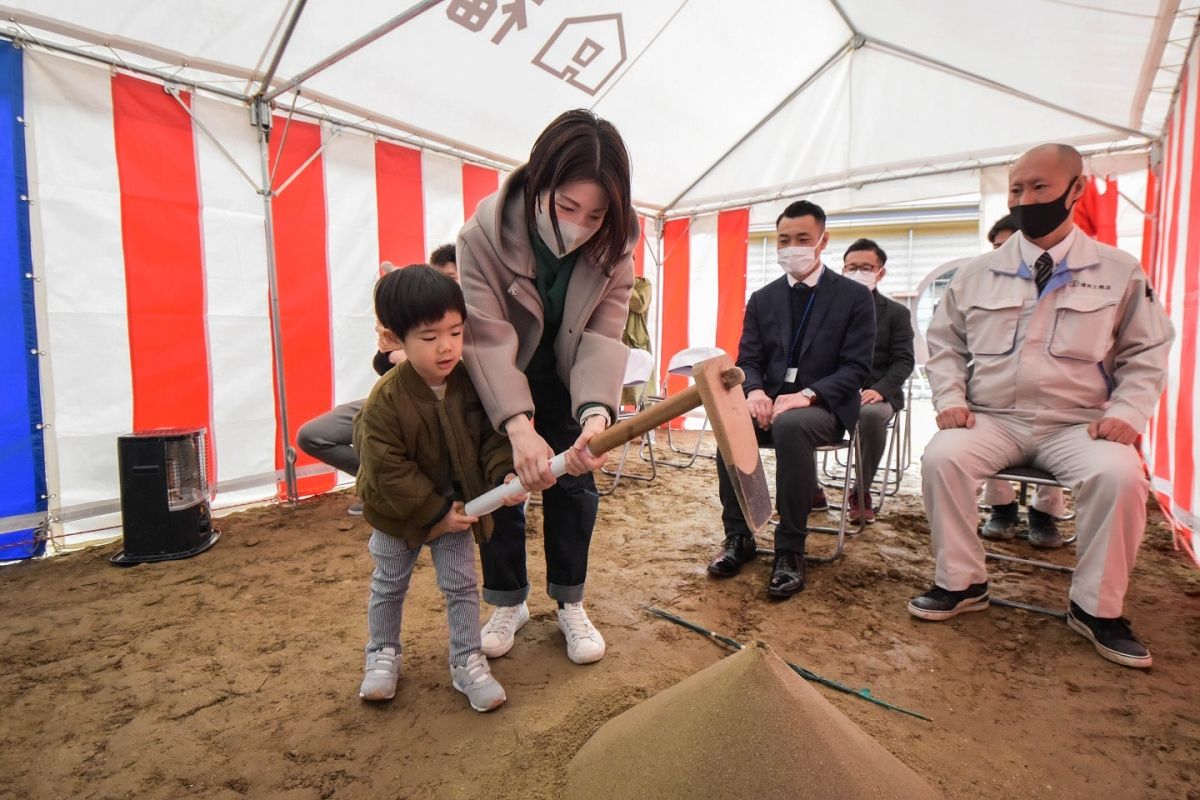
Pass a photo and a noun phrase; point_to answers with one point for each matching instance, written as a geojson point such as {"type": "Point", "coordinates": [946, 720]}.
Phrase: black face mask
{"type": "Point", "coordinates": [1035, 220]}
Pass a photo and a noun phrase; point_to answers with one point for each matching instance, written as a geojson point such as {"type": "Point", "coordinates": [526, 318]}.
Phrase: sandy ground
{"type": "Point", "coordinates": [234, 674]}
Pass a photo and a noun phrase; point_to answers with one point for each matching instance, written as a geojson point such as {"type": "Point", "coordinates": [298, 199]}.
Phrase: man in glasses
{"type": "Point", "coordinates": [891, 364]}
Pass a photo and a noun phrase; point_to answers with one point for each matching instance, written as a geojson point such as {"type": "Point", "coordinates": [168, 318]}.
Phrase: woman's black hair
{"type": "Point", "coordinates": [579, 146]}
{"type": "Point", "coordinates": [416, 295]}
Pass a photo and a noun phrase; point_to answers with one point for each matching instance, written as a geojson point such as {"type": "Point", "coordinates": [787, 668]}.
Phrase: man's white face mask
{"type": "Point", "coordinates": [799, 262]}
{"type": "Point", "coordinates": [573, 235]}
{"type": "Point", "coordinates": [867, 279]}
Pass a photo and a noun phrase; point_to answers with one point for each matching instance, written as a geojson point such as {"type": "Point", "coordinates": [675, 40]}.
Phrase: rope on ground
{"type": "Point", "coordinates": [808, 675]}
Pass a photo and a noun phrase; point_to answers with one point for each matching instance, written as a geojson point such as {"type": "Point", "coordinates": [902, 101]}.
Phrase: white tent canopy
{"type": "Point", "coordinates": [720, 103]}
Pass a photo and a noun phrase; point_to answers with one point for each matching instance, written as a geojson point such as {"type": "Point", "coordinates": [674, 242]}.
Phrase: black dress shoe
{"type": "Point", "coordinates": [738, 550]}
{"type": "Point", "coordinates": [787, 575]}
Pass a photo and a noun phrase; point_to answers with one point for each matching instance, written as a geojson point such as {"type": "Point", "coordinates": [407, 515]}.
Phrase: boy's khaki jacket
{"type": "Point", "coordinates": [412, 448]}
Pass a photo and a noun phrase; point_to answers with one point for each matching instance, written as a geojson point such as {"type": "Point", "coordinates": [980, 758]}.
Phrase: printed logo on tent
{"type": "Point", "coordinates": [474, 15]}
{"type": "Point", "coordinates": [585, 51]}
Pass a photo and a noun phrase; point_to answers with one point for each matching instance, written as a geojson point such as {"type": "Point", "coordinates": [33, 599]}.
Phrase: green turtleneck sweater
{"type": "Point", "coordinates": [553, 276]}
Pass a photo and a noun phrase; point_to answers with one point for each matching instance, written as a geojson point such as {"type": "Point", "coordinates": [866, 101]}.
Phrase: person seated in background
{"type": "Point", "coordinates": [1049, 352]}
{"type": "Point", "coordinates": [328, 438]}
{"type": "Point", "coordinates": [426, 447]}
{"type": "Point", "coordinates": [445, 260]}
{"type": "Point", "coordinates": [892, 363]}
{"type": "Point", "coordinates": [1049, 502]}
{"type": "Point", "coordinates": [806, 350]}
{"type": "Point", "coordinates": [637, 333]}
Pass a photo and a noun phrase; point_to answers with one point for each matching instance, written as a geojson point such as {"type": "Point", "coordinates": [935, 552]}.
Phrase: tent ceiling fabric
{"type": "Point", "coordinates": [684, 80]}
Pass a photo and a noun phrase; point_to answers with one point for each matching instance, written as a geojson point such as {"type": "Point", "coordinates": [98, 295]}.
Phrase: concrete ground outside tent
{"type": "Point", "coordinates": [234, 674]}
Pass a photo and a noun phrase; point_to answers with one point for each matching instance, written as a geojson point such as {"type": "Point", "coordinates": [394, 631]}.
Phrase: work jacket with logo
{"type": "Point", "coordinates": [1094, 345]}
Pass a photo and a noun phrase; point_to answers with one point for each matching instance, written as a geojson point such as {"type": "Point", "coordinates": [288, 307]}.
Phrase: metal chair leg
{"type": "Point", "coordinates": [619, 473]}
{"type": "Point", "coordinates": [853, 467]}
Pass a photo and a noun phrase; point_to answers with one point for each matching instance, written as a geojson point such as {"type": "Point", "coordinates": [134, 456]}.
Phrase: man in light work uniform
{"type": "Point", "coordinates": [1048, 501]}
{"type": "Point", "coordinates": [1050, 351]}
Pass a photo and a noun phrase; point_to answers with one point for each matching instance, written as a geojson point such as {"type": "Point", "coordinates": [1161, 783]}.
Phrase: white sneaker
{"type": "Point", "coordinates": [584, 642]}
{"type": "Point", "coordinates": [381, 674]}
{"type": "Point", "coordinates": [475, 681]}
{"type": "Point", "coordinates": [497, 635]}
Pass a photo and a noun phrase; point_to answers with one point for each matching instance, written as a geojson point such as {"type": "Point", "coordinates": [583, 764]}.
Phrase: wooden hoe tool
{"type": "Point", "coordinates": [719, 388]}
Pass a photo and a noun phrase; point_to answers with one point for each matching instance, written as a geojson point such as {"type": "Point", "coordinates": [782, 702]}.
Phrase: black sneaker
{"type": "Point", "coordinates": [1002, 524]}
{"type": "Point", "coordinates": [938, 604]}
{"type": "Point", "coordinates": [1112, 638]}
{"type": "Point", "coordinates": [1043, 531]}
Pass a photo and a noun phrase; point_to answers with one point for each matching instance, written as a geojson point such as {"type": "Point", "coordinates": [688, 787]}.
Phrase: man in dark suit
{"type": "Point", "coordinates": [883, 391]}
{"type": "Point", "coordinates": [806, 351]}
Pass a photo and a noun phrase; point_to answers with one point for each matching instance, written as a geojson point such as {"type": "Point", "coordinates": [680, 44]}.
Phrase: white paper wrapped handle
{"type": "Point", "coordinates": [490, 501]}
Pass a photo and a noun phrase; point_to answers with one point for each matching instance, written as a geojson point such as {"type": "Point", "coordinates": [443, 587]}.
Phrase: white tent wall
{"type": "Point", "coordinates": [79, 256]}
{"type": "Point", "coordinates": [1171, 446]}
{"type": "Point", "coordinates": [914, 90]}
{"type": "Point", "coordinates": [239, 328]}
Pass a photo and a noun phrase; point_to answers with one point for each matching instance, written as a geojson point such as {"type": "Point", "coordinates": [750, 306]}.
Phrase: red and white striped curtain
{"type": "Point", "coordinates": [153, 303]}
{"type": "Point", "coordinates": [704, 285]}
{"type": "Point", "coordinates": [1174, 264]}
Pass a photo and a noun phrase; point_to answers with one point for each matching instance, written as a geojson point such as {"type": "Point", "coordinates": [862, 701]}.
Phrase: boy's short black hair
{"type": "Point", "coordinates": [867, 244]}
{"type": "Point", "coordinates": [1005, 223]}
{"type": "Point", "coordinates": [443, 255]}
{"type": "Point", "coordinates": [803, 208]}
{"type": "Point", "coordinates": [416, 295]}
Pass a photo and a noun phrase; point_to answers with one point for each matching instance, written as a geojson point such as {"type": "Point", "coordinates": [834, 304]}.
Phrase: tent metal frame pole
{"type": "Point", "coordinates": [357, 44]}
{"type": "Point", "coordinates": [283, 43]}
{"type": "Point", "coordinates": [845, 18]}
{"type": "Point", "coordinates": [851, 44]}
{"type": "Point", "coordinates": [921, 58]}
{"type": "Point", "coordinates": [400, 132]}
{"type": "Point", "coordinates": [1167, 11]}
{"type": "Point", "coordinates": [262, 119]}
{"type": "Point", "coordinates": [863, 180]}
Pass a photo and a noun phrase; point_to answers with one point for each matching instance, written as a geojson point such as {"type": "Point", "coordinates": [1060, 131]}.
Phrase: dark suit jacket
{"type": "Point", "coordinates": [893, 361]}
{"type": "Point", "coordinates": [835, 356]}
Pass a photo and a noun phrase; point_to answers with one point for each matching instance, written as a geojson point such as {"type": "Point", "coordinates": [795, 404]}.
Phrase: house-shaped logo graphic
{"type": "Point", "coordinates": [585, 51]}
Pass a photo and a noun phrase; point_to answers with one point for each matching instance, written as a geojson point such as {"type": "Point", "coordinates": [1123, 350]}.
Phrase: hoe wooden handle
{"type": "Point", "coordinates": [624, 431]}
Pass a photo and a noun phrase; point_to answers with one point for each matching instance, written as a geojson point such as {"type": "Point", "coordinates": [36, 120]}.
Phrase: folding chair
{"type": "Point", "coordinates": [853, 459]}
{"type": "Point", "coordinates": [899, 444]}
{"type": "Point", "coordinates": [1026, 476]}
{"type": "Point", "coordinates": [681, 364]}
{"type": "Point", "coordinates": [639, 368]}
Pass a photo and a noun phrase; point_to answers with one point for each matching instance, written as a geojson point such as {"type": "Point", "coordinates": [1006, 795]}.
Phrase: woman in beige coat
{"type": "Point", "coordinates": [546, 269]}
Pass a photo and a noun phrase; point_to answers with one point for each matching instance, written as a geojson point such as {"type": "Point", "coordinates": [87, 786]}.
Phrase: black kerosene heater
{"type": "Point", "coordinates": [164, 495]}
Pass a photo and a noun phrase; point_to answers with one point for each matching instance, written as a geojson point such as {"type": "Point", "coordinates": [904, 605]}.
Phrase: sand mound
{"type": "Point", "coordinates": [746, 727]}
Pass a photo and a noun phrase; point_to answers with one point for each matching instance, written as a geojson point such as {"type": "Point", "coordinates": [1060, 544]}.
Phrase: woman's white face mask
{"type": "Point", "coordinates": [573, 235]}
{"type": "Point", "coordinates": [799, 262]}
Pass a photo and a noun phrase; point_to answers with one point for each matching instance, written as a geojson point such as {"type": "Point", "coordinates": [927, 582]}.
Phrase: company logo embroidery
{"type": "Point", "coordinates": [1082, 285]}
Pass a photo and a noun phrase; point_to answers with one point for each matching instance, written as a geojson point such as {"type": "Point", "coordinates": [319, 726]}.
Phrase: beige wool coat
{"type": "Point", "coordinates": [505, 318]}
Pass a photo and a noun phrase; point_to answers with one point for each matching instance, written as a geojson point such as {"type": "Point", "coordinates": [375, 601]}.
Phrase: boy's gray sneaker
{"type": "Point", "coordinates": [381, 674]}
{"type": "Point", "coordinates": [475, 681]}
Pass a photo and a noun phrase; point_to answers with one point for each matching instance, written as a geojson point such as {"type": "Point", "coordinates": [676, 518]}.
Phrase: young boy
{"type": "Point", "coordinates": [425, 445]}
